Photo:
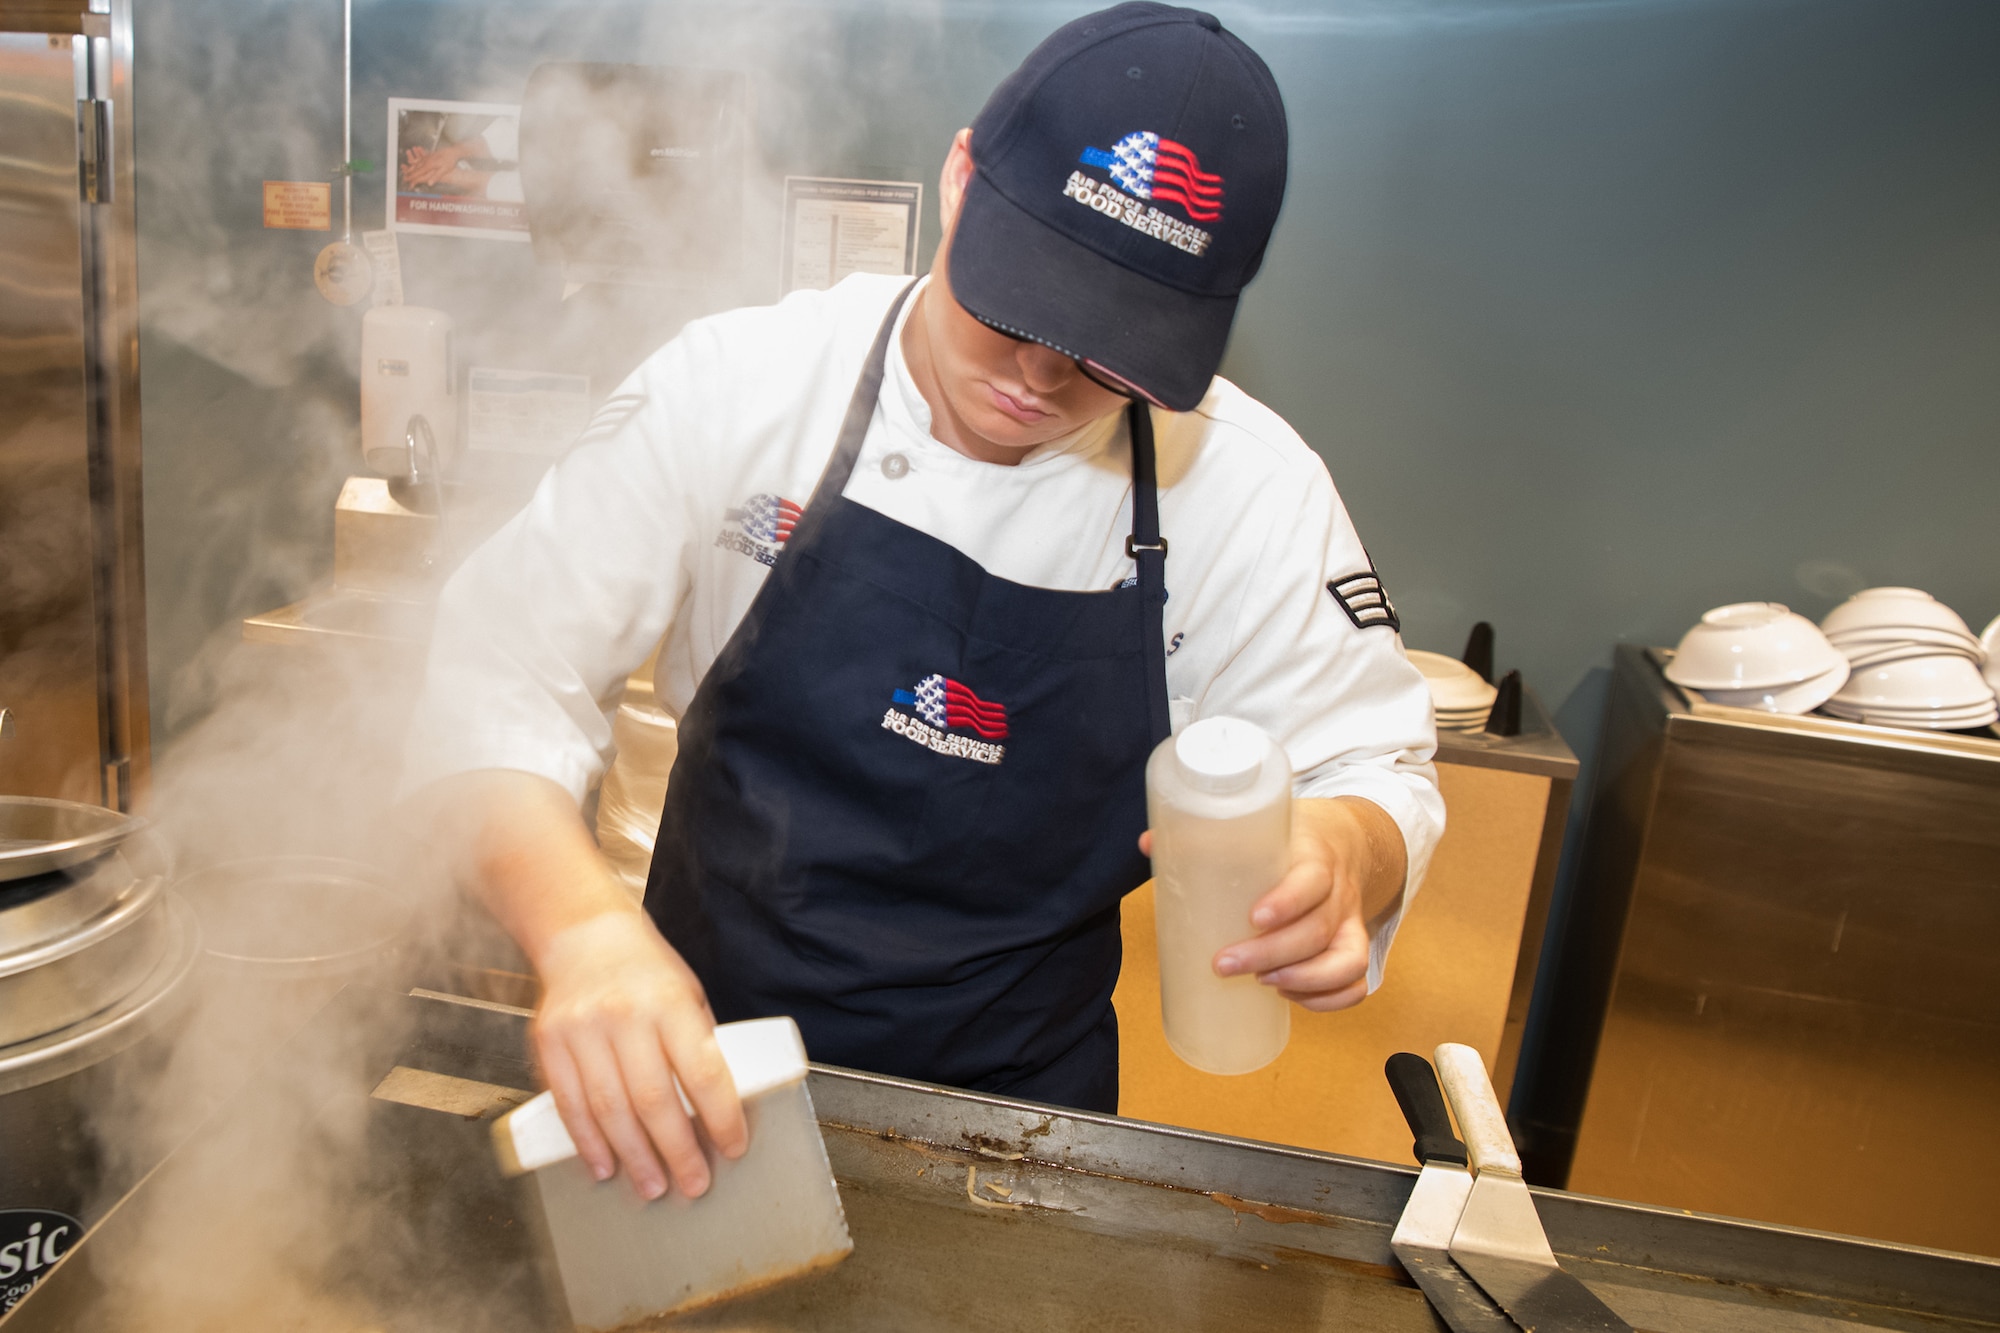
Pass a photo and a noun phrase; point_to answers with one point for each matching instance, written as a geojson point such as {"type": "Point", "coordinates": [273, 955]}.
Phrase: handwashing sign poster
{"type": "Point", "coordinates": [456, 168]}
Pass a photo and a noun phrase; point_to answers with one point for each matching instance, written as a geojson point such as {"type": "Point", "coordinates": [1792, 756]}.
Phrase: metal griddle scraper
{"type": "Point", "coordinates": [1423, 1233]}
{"type": "Point", "coordinates": [772, 1214]}
{"type": "Point", "coordinates": [1499, 1239]}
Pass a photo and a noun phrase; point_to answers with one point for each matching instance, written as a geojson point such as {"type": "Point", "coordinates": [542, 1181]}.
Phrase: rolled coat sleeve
{"type": "Point", "coordinates": [1352, 712]}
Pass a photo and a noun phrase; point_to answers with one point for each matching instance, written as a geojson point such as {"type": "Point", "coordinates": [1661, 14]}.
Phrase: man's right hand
{"type": "Point", "coordinates": [621, 1017]}
{"type": "Point", "coordinates": [622, 1014]}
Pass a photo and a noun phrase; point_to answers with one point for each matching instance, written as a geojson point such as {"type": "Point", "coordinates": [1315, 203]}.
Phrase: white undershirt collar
{"type": "Point", "coordinates": [907, 414]}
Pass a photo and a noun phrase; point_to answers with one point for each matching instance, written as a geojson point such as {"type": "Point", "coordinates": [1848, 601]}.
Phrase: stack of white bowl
{"type": "Point", "coordinates": [1759, 655]}
{"type": "Point", "coordinates": [1989, 643]}
{"type": "Point", "coordinates": [1915, 663]}
{"type": "Point", "coordinates": [1460, 696]}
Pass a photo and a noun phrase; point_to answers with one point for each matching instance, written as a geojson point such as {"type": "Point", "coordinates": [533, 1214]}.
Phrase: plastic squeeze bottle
{"type": "Point", "coordinates": [1219, 800]}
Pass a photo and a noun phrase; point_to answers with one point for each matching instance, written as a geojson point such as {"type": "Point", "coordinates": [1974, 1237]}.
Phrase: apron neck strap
{"type": "Point", "coordinates": [1149, 550]}
{"type": "Point", "coordinates": [1144, 545]}
{"type": "Point", "coordinates": [860, 410]}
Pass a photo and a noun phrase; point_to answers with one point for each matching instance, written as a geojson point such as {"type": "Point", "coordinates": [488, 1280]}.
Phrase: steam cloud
{"type": "Point", "coordinates": [251, 427]}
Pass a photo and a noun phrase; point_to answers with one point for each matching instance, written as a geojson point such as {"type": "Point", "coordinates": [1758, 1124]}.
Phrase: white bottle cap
{"type": "Point", "coordinates": [1220, 754]}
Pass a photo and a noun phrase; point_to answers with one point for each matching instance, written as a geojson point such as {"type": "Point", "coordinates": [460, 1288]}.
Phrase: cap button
{"type": "Point", "coordinates": [1208, 20]}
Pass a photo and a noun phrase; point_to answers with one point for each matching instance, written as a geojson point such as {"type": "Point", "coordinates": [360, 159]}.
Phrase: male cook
{"type": "Point", "coordinates": [930, 561]}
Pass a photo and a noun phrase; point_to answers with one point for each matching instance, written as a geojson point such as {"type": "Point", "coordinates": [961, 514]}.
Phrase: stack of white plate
{"type": "Point", "coordinates": [1915, 663]}
{"type": "Point", "coordinates": [1989, 643]}
{"type": "Point", "coordinates": [1759, 655]}
{"type": "Point", "coordinates": [1460, 696]}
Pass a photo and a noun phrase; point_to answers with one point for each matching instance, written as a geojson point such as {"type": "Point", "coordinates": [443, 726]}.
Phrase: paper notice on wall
{"type": "Point", "coordinates": [388, 262]}
{"type": "Point", "coordinates": [455, 168]}
{"type": "Point", "coordinates": [837, 227]}
{"type": "Point", "coordinates": [298, 205]}
{"type": "Point", "coordinates": [525, 411]}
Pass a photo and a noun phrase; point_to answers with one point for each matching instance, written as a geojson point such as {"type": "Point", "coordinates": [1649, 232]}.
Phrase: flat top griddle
{"type": "Point", "coordinates": [310, 1207]}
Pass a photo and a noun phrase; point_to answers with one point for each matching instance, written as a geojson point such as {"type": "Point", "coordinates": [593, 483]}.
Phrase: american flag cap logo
{"type": "Point", "coordinates": [944, 703]}
{"type": "Point", "coordinates": [1149, 167]}
{"type": "Point", "coordinates": [768, 518]}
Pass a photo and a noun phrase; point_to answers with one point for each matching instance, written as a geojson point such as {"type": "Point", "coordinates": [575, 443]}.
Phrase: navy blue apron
{"type": "Point", "coordinates": [908, 796]}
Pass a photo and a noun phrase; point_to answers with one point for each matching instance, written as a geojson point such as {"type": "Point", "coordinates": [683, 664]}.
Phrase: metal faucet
{"type": "Point", "coordinates": [430, 470]}
{"type": "Point", "coordinates": [419, 426]}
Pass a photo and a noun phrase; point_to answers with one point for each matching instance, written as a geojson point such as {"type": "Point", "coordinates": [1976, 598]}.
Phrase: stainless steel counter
{"type": "Point", "coordinates": [1775, 993]}
{"type": "Point", "coordinates": [311, 1202]}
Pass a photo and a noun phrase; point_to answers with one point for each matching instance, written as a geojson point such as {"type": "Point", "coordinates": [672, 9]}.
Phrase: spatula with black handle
{"type": "Point", "coordinates": [1423, 1234]}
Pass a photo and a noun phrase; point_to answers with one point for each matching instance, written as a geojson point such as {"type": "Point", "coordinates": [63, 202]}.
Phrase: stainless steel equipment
{"type": "Point", "coordinates": [152, 988]}
{"type": "Point", "coordinates": [280, 936]}
{"type": "Point", "coordinates": [967, 1211]}
{"type": "Point", "coordinates": [93, 958]}
{"type": "Point", "coordinates": [295, 918]}
{"type": "Point", "coordinates": [74, 942]}
{"type": "Point", "coordinates": [64, 977]}
{"type": "Point", "coordinates": [72, 619]}
{"type": "Point", "coordinates": [387, 549]}
{"type": "Point", "coordinates": [1781, 923]}
{"type": "Point", "coordinates": [39, 834]}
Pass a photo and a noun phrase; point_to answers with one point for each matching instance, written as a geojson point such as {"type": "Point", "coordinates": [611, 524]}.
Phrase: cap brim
{"type": "Point", "coordinates": [1016, 273]}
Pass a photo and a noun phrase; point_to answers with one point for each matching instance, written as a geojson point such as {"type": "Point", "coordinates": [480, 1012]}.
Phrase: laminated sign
{"type": "Point", "coordinates": [525, 411]}
{"type": "Point", "coordinates": [837, 227]}
{"type": "Point", "coordinates": [298, 205]}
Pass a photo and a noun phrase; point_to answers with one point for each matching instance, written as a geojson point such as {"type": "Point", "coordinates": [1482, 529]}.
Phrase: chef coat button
{"type": "Point", "coordinates": [894, 466]}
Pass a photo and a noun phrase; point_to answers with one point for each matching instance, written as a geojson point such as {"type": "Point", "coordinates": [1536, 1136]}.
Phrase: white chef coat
{"type": "Point", "coordinates": [650, 527]}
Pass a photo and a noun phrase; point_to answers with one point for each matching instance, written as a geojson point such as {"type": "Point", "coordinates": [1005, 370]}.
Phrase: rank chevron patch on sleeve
{"type": "Point", "coordinates": [1365, 600]}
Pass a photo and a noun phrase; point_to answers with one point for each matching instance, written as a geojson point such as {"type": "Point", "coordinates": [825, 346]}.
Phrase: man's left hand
{"type": "Point", "coordinates": [1347, 867]}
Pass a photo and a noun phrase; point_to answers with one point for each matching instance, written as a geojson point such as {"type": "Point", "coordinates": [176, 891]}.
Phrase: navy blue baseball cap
{"type": "Point", "coordinates": [1125, 182]}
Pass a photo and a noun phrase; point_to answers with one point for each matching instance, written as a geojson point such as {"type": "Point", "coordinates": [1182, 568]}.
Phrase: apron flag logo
{"type": "Point", "coordinates": [946, 703]}
{"type": "Point", "coordinates": [1365, 600]}
{"type": "Point", "coordinates": [937, 705]}
{"type": "Point", "coordinates": [763, 524]}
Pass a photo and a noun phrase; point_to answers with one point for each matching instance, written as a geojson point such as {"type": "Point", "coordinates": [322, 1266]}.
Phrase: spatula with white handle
{"type": "Point", "coordinates": [772, 1214]}
{"type": "Point", "coordinates": [1499, 1240]}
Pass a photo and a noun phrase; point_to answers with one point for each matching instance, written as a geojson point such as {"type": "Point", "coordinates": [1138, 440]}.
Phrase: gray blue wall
{"type": "Point", "coordinates": [1601, 311]}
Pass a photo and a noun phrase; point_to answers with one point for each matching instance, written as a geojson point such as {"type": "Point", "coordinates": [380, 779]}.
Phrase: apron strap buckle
{"type": "Point", "coordinates": [1132, 548]}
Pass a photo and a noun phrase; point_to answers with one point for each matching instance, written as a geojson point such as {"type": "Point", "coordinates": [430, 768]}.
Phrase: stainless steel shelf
{"type": "Point", "coordinates": [1539, 749]}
